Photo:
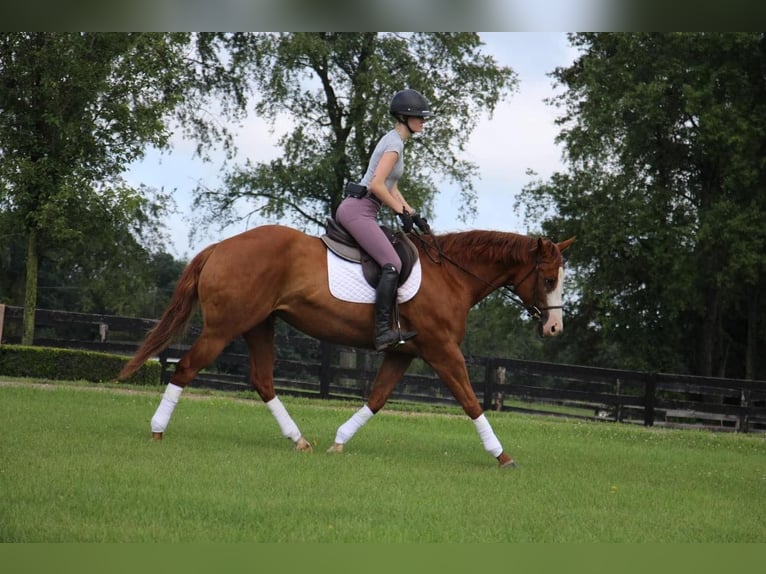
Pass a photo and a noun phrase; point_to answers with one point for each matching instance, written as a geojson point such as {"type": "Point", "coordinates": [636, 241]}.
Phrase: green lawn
{"type": "Point", "coordinates": [77, 465]}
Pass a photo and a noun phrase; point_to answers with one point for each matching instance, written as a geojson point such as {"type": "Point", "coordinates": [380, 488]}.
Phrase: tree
{"type": "Point", "coordinates": [75, 109]}
{"type": "Point", "coordinates": [335, 89]}
{"type": "Point", "coordinates": [665, 137]}
{"type": "Point", "coordinates": [106, 268]}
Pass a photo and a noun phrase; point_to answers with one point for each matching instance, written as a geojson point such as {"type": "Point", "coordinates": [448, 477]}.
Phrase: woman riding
{"type": "Point", "coordinates": [357, 213]}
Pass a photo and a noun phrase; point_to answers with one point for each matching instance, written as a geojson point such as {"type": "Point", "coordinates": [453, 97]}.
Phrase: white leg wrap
{"type": "Point", "coordinates": [349, 428]}
{"type": "Point", "coordinates": [286, 423]}
{"type": "Point", "coordinates": [168, 403]}
{"type": "Point", "coordinates": [487, 436]}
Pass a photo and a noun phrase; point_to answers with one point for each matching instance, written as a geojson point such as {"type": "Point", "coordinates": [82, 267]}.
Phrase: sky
{"type": "Point", "coordinates": [519, 137]}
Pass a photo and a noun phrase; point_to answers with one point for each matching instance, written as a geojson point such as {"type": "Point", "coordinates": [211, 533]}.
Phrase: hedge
{"type": "Point", "coordinates": [71, 364]}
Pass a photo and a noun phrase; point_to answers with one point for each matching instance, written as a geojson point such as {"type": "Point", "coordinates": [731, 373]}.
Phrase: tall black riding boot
{"type": "Point", "coordinates": [385, 299]}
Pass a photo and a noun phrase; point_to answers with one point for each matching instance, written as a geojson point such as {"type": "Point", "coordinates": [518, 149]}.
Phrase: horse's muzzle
{"type": "Point", "coordinates": [551, 323]}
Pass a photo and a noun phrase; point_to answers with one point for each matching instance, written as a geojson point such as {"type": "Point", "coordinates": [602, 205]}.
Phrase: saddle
{"type": "Point", "coordinates": [340, 242]}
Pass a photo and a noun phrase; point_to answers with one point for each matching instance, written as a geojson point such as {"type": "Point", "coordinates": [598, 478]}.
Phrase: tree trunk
{"type": "Point", "coordinates": [30, 292]}
{"type": "Point", "coordinates": [707, 337]}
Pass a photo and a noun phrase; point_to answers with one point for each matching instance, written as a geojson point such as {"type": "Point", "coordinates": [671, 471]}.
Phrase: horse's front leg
{"type": "Point", "coordinates": [389, 374]}
{"type": "Point", "coordinates": [260, 344]}
{"type": "Point", "coordinates": [449, 365]}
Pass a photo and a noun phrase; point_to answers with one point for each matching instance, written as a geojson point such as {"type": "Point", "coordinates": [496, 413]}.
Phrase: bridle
{"type": "Point", "coordinates": [509, 291]}
{"type": "Point", "coordinates": [534, 311]}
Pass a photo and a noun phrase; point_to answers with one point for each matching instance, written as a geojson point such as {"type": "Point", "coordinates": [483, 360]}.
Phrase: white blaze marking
{"type": "Point", "coordinates": [555, 323]}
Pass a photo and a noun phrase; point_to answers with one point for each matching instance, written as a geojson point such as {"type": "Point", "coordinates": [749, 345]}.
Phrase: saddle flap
{"type": "Point", "coordinates": [343, 250]}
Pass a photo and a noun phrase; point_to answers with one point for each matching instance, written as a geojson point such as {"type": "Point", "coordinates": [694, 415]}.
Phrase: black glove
{"type": "Point", "coordinates": [406, 220]}
{"type": "Point", "coordinates": [421, 222]}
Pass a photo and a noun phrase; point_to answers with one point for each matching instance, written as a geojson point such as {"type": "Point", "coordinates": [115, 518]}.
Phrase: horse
{"type": "Point", "coordinates": [243, 283]}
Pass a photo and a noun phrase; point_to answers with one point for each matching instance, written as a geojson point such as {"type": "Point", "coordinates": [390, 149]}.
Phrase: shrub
{"type": "Point", "coordinates": [71, 364]}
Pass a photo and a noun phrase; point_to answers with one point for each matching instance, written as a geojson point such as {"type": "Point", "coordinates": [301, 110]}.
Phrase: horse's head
{"type": "Point", "coordinates": [539, 285]}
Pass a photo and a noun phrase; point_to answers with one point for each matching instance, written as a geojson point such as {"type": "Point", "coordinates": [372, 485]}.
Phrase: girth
{"type": "Point", "coordinates": [340, 242]}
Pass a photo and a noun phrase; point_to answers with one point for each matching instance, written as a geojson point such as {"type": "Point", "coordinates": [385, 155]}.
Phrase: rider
{"type": "Point", "coordinates": [358, 212]}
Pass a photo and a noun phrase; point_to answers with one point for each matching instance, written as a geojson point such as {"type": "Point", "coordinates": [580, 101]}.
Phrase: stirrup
{"type": "Point", "coordinates": [393, 339]}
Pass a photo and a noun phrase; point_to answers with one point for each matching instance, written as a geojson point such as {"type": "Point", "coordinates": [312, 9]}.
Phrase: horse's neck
{"type": "Point", "coordinates": [488, 259]}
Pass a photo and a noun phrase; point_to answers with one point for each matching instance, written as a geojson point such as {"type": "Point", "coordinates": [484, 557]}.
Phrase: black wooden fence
{"type": "Point", "coordinates": [307, 367]}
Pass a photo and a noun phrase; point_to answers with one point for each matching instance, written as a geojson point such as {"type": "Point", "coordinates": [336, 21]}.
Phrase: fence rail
{"type": "Point", "coordinates": [306, 367]}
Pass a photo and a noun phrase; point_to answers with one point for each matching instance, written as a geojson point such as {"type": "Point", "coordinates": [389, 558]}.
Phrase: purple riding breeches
{"type": "Point", "coordinates": [359, 218]}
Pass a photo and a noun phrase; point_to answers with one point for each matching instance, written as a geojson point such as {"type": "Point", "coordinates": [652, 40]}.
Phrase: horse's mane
{"type": "Point", "coordinates": [494, 245]}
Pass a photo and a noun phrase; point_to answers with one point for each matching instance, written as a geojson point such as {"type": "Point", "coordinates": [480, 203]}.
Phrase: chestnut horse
{"type": "Point", "coordinates": [244, 282]}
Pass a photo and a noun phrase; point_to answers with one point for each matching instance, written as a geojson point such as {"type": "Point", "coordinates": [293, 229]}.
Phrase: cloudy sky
{"type": "Point", "coordinates": [519, 137]}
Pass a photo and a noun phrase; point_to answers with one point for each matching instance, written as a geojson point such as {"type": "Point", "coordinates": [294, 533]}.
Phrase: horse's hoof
{"type": "Point", "coordinates": [156, 436]}
{"type": "Point", "coordinates": [508, 464]}
{"type": "Point", "coordinates": [336, 447]}
{"type": "Point", "coordinates": [303, 445]}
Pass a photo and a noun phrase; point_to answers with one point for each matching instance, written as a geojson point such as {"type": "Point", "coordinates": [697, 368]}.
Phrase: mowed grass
{"type": "Point", "coordinates": [77, 465]}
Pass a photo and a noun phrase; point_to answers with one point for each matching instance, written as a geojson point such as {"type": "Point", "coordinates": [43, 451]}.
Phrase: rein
{"type": "Point", "coordinates": [534, 311]}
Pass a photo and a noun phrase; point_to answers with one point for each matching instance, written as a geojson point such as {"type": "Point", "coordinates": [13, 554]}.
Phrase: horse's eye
{"type": "Point", "coordinates": [550, 284]}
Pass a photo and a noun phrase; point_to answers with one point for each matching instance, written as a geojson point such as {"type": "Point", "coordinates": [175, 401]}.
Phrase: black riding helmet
{"type": "Point", "coordinates": [409, 103]}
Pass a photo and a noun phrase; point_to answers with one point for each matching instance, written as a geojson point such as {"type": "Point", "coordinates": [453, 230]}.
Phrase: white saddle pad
{"type": "Point", "coordinates": [347, 281]}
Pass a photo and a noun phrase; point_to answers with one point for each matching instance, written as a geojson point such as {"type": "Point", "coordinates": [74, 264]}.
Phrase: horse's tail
{"type": "Point", "coordinates": [175, 318]}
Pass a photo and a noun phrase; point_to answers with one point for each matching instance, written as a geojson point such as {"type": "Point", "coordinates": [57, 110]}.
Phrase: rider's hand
{"type": "Point", "coordinates": [406, 220]}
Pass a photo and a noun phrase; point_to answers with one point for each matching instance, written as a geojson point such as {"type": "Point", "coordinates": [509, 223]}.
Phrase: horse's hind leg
{"type": "Point", "coordinates": [203, 352]}
{"type": "Point", "coordinates": [260, 343]}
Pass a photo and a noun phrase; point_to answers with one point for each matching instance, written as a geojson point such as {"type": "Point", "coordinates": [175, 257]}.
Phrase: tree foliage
{"type": "Point", "coordinates": [665, 137]}
{"type": "Point", "coordinates": [75, 110]}
{"type": "Point", "coordinates": [334, 88]}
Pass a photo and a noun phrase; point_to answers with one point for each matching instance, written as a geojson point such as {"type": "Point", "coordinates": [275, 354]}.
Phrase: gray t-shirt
{"type": "Point", "coordinates": [392, 141]}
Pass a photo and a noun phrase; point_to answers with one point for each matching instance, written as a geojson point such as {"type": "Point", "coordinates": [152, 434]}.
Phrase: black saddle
{"type": "Point", "coordinates": [340, 242]}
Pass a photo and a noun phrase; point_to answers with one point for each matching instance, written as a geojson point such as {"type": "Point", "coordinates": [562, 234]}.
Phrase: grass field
{"type": "Point", "coordinates": [77, 465]}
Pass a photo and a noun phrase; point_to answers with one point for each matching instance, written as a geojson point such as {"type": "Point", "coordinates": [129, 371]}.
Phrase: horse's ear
{"type": "Point", "coordinates": [539, 249]}
{"type": "Point", "coordinates": [565, 244]}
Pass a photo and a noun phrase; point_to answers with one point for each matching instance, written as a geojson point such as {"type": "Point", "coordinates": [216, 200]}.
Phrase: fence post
{"type": "Point", "coordinates": [103, 331]}
{"type": "Point", "coordinates": [500, 386]}
{"type": "Point", "coordinates": [650, 398]}
{"type": "Point", "coordinates": [489, 383]}
{"type": "Point", "coordinates": [618, 392]}
{"type": "Point", "coordinates": [364, 369]}
{"type": "Point", "coordinates": [2, 321]}
{"type": "Point", "coordinates": [743, 420]}
{"type": "Point", "coordinates": [325, 376]}
{"type": "Point", "coordinates": [163, 357]}
{"type": "Point", "coordinates": [347, 360]}
{"type": "Point", "coordinates": [168, 366]}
